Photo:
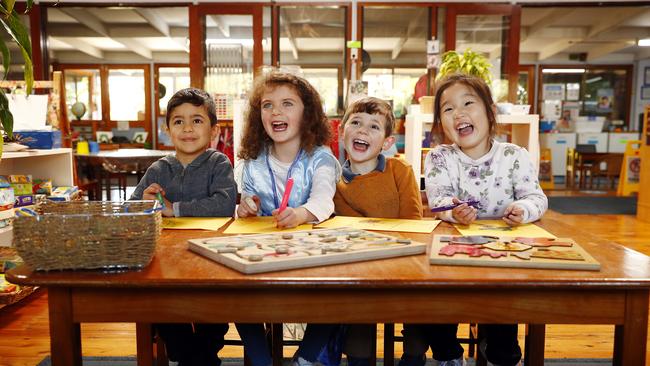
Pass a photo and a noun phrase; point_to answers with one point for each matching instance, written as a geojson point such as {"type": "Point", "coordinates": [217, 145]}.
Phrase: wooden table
{"type": "Point", "coordinates": [180, 286]}
{"type": "Point", "coordinates": [119, 163]}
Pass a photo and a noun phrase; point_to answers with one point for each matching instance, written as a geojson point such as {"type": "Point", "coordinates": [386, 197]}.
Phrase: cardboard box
{"type": "Point", "coordinates": [41, 139]}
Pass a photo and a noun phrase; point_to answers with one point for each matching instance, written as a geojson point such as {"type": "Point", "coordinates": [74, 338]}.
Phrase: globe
{"type": "Point", "coordinates": [78, 110]}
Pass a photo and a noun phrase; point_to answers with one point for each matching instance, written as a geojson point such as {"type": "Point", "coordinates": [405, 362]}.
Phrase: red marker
{"type": "Point", "coordinates": [287, 193]}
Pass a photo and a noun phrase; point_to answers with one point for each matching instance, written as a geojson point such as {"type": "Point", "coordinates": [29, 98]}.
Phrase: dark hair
{"type": "Point", "coordinates": [196, 97]}
{"type": "Point", "coordinates": [372, 105]}
{"type": "Point", "coordinates": [479, 87]}
{"type": "Point", "coordinates": [315, 130]}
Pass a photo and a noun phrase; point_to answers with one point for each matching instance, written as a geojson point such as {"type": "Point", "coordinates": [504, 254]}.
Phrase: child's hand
{"type": "Point", "coordinates": [464, 213]}
{"type": "Point", "coordinates": [151, 193]}
{"type": "Point", "coordinates": [249, 206]}
{"type": "Point", "coordinates": [291, 217]}
{"type": "Point", "coordinates": [513, 215]}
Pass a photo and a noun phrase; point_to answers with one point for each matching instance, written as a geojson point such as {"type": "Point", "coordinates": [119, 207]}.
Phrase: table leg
{"type": "Point", "coordinates": [144, 343]}
{"type": "Point", "coordinates": [630, 339]}
{"type": "Point", "coordinates": [535, 337]}
{"type": "Point", "coordinates": [65, 335]}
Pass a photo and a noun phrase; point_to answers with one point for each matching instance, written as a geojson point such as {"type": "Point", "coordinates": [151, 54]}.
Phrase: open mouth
{"type": "Point", "coordinates": [360, 145]}
{"type": "Point", "coordinates": [464, 129]}
{"type": "Point", "coordinates": [280, 126]}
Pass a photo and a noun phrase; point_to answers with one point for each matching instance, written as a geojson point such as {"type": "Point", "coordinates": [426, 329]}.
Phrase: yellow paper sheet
{"type": "Point", "coordinates": [259, 225]}
{"type": "Point", "coordinates": [380, 224]}
{"type": "Point", "coordinates": [500, 228]}
{"type": "Point", "coordinates": [191, 223]}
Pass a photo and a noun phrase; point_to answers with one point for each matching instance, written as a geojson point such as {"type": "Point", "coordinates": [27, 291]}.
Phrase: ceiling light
{"type": "Point", "coordinates": [563, 71]}
{"type": "Point", "coordinates": [644, 42]}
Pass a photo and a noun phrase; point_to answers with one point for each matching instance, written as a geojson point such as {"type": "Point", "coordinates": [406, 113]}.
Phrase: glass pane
{"type": "Point", "coordinates": [395, 36]}
{"type": "Point", "coordinates": [229, 59]}
{"type": "Point", "coordinates": [394, 85]}
{"type": "Point", "coordinates": [522, 88]}
{"type": "Point", "coordinates": [126, 88]}
{"type": "Point", "coordinates": [326, 81]}
{"type": "Point", "coordinates": [606, 94]}
{"type": "Point", "coordinates": [172, 80]}
{"type": "Point", "coordinates": [313, 38]}
{"type": "Point", "coordinates": [83, 90]}
{"type": "Point", "coordinates": [486, 34]}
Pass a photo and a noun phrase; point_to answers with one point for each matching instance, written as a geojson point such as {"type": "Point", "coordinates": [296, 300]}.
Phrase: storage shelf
{"type": "Point", "coordinates": [55, 164]}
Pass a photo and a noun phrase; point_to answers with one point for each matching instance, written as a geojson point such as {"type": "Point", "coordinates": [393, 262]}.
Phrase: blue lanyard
{"type": "Point", "coordinates": [268, 165]}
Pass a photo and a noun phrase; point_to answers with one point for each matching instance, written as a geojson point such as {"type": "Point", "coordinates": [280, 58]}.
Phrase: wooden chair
{"type": "Point", "coordinates": [571, 167]}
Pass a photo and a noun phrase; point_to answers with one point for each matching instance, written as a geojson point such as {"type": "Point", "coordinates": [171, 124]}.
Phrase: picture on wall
{"type": "Point", "coordinates": [104, 137]}
{"type": "Point", "coordinates": [140, 137]}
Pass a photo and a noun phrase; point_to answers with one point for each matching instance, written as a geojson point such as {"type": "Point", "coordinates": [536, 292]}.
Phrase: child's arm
{"type": "Point", "coordinates": [341, 205]}
{"type": "Point", "coordinates": [151, 193]}
{"type": "Point", "coordinates": [530, 201]}
{"type": "Point", "coordinates": [410, 202]}
{"type": "Point", "coordinates": [222, 193]}
{"type": "Point", "coordinates": [248, 206]}
{"type": "Point", "coordinates": [439, 189]}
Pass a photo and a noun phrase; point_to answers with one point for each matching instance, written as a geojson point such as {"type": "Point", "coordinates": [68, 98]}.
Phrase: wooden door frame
{"type": "Point", "coordinates": [512, 57]}
{"type": "Point", "coordinates": [197, 13]}
{"type": "Point", "coordinates": [106, 123]}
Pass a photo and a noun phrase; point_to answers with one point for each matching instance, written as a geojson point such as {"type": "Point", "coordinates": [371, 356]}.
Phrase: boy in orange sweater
{"type": "Point", "coordinates": [372, 186]}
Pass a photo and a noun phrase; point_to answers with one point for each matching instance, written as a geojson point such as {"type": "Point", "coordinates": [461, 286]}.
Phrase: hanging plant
{"type": "Point", "coordinates": [468, 62]}
{"type": "Point", "coordinates": [18, 32]}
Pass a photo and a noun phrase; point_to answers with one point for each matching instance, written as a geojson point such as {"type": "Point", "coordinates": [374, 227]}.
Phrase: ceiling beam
{"type": "Point", "coordinates": [556, 47]}
{"type": "Point", "coordinates": [154, 20]}
{"type": "Point", "coordinates": [287, 28]}
{"type": "Point", "coordinates": [408, 32]}
{"type": "Point", "coordinates": [82, 46]}
{"type": "Point", "coordinates": [545, 22]}
{"type": "Point", "coordinates": [613, 19]}
{"type": "Point", "coordinates": [160, 25]}
{"type": "Point", "coordinates": [98, 26]}
{"type": "Point", "coordinates": [221, 24]}
{"type": "Point", "coordinates": [607, 48]}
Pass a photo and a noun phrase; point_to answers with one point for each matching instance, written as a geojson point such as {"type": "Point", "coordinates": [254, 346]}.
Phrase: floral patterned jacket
{"type": "Point", "coordinates": [503, 176]}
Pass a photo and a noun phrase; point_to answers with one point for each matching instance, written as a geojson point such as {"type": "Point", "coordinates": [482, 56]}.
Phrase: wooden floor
{"type": "Point", "coordinates": [24, 331]}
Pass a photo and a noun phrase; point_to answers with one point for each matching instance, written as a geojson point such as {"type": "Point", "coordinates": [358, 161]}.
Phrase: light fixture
{"type": "Point", "coordinates": [563, 71]}
{"type": "Point", "coordinates": [644, 42]}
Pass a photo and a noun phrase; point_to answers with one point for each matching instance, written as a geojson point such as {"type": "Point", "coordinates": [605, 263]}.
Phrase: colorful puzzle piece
{"type": "Point", "coordinates": [557, 254]}
{"type": "Point", "coordinates": [468, 240]}
{"type": "Point", "coordinates": [543, 242]}
{"type": "Point", "coordinates": [471, 250]}
{"type": "Point", "coordinates": [507, 246]}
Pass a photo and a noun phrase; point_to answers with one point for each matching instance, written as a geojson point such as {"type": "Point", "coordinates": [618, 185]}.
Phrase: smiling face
{"type": "Point", "coordinates": [464, 118]}
{"type": "Point", "coordinates": [282, 111]}
{"type": "Point", "coordinates": [364, 136]}
{"type": "Point", "coordinates": [190, 131]}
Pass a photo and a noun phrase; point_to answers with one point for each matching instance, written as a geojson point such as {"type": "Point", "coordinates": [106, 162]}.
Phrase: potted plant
{"type": "Point", "coordinates": [18, 32]}
{"type": "Point", "coordinates": [468, 62]}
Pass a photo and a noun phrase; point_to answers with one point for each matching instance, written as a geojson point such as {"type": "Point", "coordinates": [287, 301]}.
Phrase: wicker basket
{"type": "Point", "coordinates": [87, 234]}
{"type": "Point", "coordinates": [14, 297]}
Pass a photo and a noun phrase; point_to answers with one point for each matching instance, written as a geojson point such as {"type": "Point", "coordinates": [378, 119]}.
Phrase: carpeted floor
{"type": "Point", "coordinates": [593, 205]}
{"type": "Point", "coordinates": [130, 361]}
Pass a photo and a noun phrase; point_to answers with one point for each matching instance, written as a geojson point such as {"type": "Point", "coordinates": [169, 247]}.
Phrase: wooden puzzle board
{"type": "Point", "coordinates": [309, 248]}
{"type": "Point", "coordinates": [541, 252]}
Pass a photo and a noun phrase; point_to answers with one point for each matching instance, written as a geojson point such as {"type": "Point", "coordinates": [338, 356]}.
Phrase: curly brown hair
{"type": "Point", "coordinates": [315, 130]}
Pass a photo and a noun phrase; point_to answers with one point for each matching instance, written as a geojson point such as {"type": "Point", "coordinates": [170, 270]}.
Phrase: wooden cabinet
{"type": "Point", "coordinates": [55, 164]}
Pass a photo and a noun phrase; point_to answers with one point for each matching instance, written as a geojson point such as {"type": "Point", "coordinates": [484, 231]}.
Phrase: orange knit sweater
{"type": "Point", "coordinates": [393, 193]}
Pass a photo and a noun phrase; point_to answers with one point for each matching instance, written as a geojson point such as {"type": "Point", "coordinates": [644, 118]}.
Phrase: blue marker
{"type": "Point", "coordinates": [472, 203]}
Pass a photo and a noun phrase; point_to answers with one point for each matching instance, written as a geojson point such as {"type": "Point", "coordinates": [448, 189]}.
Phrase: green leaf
{"type": "Point", "coordinates": [6, 57]}
{"type": "Point", "coordinates": [5, 115]}
{"type": "Point", "coordinates": [30, 3]}
{"type": "Point", "coordinates": [8, 5]}
{"type": "Point", "coordinates": [18, 32]}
